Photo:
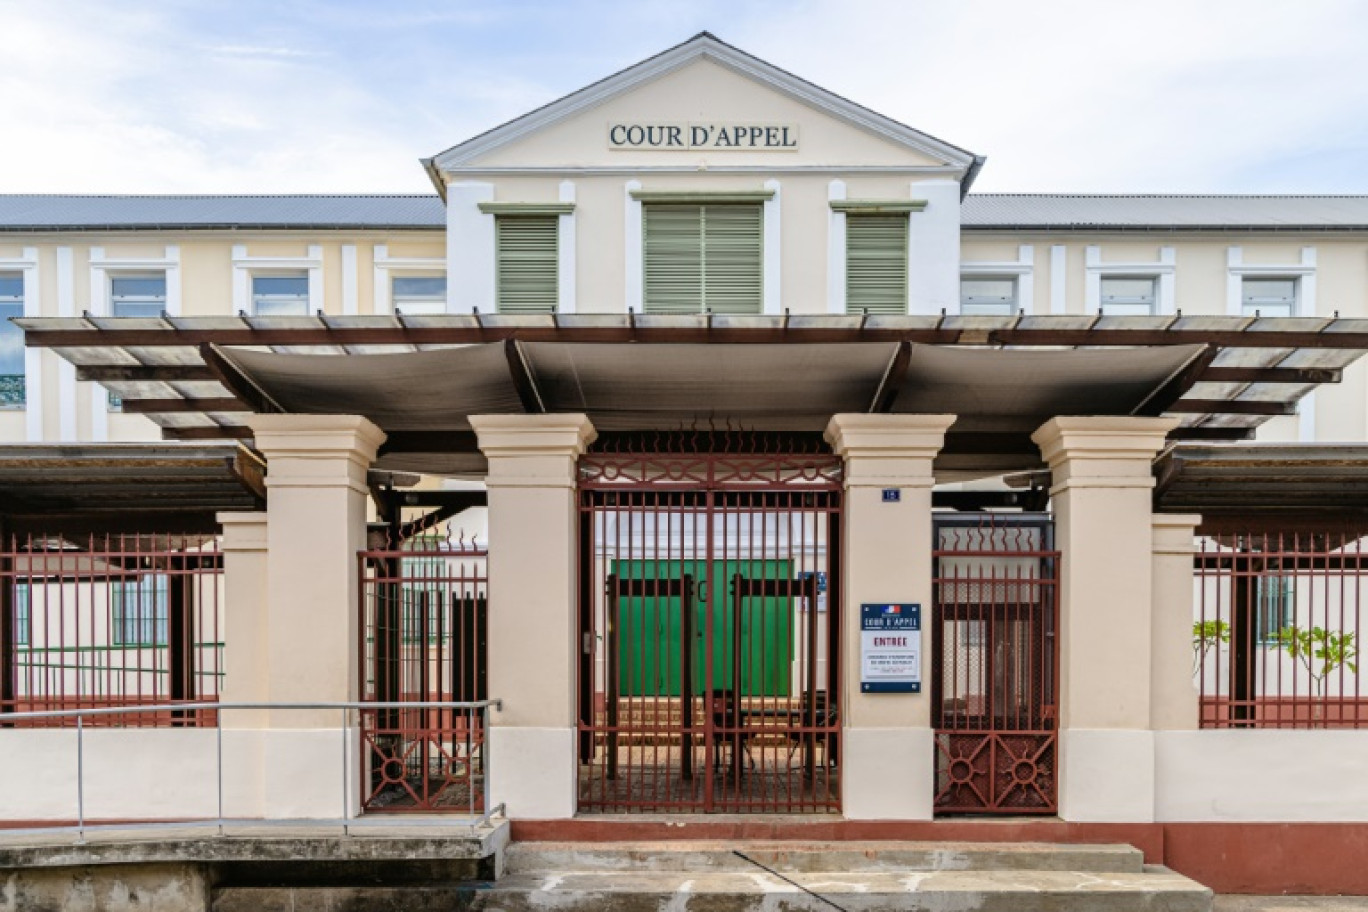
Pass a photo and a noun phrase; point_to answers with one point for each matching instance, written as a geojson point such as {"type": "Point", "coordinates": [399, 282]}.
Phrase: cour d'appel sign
{"type": "Point", "coordinates": [890, 648]}
{"type": "Point", "coordinates": [716, 137]}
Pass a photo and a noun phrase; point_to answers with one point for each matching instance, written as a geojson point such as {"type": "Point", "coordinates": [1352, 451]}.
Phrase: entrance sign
{"type": "Point", "coordinates": [715, 136]}
{"type": "Point", "coordinates": [890, 648]}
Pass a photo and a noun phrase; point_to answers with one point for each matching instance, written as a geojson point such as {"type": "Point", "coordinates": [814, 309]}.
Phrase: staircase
{"type": "Point", "coordinates": [771, 876]}
{"type": "Point", "coordinates": [849, 876]}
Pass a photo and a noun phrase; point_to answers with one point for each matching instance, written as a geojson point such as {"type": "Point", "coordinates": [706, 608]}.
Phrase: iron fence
{"type": "Point", "coordinates": [424, 621]}
{"type": "Point", "coordinates": [1276, 631]}
{"type": "Point", "coordinates": [106, 621]}
{"type": "Point", "coordinates": [994, 664]}
{"type": "Point", "coordinates": [709, 667]}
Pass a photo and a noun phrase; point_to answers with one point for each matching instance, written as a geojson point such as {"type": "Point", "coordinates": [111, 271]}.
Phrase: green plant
{"type": "Point", "coordinates": [1320, 651]}
{"type": "Point", "coordinates": [1206, 635]}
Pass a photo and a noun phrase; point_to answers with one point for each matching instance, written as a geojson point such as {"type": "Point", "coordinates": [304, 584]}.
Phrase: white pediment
{"type": "Point", "coordinates": [699, 104]}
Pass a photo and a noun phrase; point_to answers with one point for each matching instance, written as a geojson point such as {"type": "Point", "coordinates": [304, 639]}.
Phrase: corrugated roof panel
{"type": "Point", "coordinates": [1085, 211]}
{"type": "Point", "coordinates": [41, 212]}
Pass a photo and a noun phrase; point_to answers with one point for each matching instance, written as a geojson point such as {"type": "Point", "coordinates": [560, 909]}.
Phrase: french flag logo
{"type": "Point", "coordinates": [892, 609]}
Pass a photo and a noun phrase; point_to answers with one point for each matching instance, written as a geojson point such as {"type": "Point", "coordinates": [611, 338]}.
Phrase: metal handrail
{"type": "Point", "coordinates": [220, 820]}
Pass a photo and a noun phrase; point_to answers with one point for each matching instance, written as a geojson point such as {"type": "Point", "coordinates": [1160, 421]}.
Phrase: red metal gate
{"type": "Point", "coordinates": [994, 664]}
{"type": "Point", "coordinates": [424, 608]}
{"type": "Point", "coordinates": [710, 626]}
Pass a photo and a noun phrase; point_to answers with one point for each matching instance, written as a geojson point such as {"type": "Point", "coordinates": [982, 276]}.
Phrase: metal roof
{"type": "Point", "coordinates": [1081, 212]}
{"type": "Point", "coordinates": [981, 211]}
{"type": "Point", "coordinates": [101, 487]}
{"type": "Point", "coordinates": [132, 213]}
{"type": "Point", "coordinates": [1311, 482]}
{"type": "Point", "coordinates": [183, 373]}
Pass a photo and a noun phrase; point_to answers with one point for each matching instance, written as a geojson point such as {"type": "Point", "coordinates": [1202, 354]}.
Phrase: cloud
{"type": "Point", "coordinates": [1217, 95]}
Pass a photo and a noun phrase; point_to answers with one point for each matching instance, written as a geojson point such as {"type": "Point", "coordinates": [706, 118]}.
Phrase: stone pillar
{"type": "Point", "coordinates": [1104, 528]}
{"type": "Point", "coordinates": [315, 524]}
{"type": "Point", "coordinates": [1173, 688]}
{"type": "Point", "coordinates": [888, 761]}
{"type": "Point", "coordinates": [245, 618]}
{"type": "Point", "coordinates": [533, 630]}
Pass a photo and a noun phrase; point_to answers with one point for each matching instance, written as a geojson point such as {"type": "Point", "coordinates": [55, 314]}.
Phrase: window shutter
{"type": "Point", "coordinates": [876, 263]}
{"type": "Point", "coordinates": [703, 257]}
{"type": "Point", "coordinates": [673, 259]}
{"type": "Point", "coordinates": [526, 252]}
{"type": "Point", "coordinates": [733, 254]}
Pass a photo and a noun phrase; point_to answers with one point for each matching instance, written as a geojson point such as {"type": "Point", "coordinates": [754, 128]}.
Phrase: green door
{"type": "Point", "coordinates": [650, 631]}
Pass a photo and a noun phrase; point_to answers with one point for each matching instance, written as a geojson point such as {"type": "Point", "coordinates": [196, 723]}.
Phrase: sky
{"type": "Point", "coordinates": [308, 96]}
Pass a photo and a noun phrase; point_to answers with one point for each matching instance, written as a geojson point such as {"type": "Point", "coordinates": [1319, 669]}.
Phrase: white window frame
{"type": "Point", "coordinates": [104, 268]}
{"type": "Point", "coordinates": [1163, 271]}
{"type": "Point", "coordinates": [1022, 269]}
{"type": "Point", "coordinates": [1303, 273]}
{"type": "Point", "coordinates": [27, 265]}
{"type": "Point", "coordinates": [387, 268]}
{"type": "Point", "coordinates": [245, 267]}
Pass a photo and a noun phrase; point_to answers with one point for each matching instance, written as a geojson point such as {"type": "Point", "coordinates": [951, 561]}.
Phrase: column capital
{"type": "Point", "coordinates": [316, 450]}
{"type": "Point", "coordinates": [1102, 451]}
{"type": "Point", "coordinates": [1174, 533]}
{"type": "Point", "coordinates": [888, 436]}
{"type": "Point", "coordinates": [243, 531]}
{"type": "Point", "coordinates": [533, 435]}
{"type": "Point", "coordinates": [316, 435]}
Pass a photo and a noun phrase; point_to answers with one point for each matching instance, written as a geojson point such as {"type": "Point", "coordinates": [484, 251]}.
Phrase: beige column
{"type": "Point", "coordinates": [533, 633]}
{"type": "Point", "coordinates": [315, 524]}
{"type": "Point", "coordinates": [1101, 499]}
{"type": "Point", "coordinates": [888, 761]}
{"type": "Point", "coordinates": [1173, 688]}
{"type": "Point", "coordinates": [244, 616]}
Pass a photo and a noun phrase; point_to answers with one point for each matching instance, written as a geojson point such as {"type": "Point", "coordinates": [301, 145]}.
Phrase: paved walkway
{"type": "Point", "coordinates": [1291, 903]}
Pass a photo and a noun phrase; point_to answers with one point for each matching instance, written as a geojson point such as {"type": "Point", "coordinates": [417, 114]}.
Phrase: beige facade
{"type": "Point", "coordinates": [1129, 748]}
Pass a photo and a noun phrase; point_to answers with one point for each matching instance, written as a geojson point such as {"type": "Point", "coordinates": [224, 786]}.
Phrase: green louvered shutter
{"type": "Point", "coordinates": [876, 263]}
{"type": "Point", "coordinates": [526, 253]}
{"type": "Point", "coordinates": [703, 257]}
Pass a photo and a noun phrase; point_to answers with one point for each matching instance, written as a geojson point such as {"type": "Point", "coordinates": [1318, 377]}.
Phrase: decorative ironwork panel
{"type": "Point", "coordinates": [994, 664]}
{"type": "Point", "coordinates": [424, 612]}
{"type": "Point", "coordinates": [709, 671]}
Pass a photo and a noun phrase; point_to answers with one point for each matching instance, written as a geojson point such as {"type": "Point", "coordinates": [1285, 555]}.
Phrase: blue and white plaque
{"type": "Point", "coordinates": [890, 648]}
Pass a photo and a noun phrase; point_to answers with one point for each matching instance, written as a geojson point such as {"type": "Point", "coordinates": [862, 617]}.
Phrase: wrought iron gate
{"type": "Point", "coordinates": [424, 609]}
{"type": "Point", "coordinates": [710, 628]}
{"type": "Point", "coordinates": [994, 664]}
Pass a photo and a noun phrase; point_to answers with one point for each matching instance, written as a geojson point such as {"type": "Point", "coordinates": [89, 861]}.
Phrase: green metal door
{"type": "Point", "coordinates": [650, 631]}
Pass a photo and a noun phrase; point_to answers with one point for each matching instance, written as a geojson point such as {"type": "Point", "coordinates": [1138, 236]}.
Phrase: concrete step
{"type": "Point", "coordinates": [345, 899]}
{"type": "Point", "coordinates": [1153, 890]}
{"type": "Point", "coordinates": [856, 857]}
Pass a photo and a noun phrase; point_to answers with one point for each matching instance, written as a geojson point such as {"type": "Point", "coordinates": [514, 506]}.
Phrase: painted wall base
{"type": "Point", "coordinates": [1106, 775]}
{"type": "Point", "coordinates": [888, 773]}
{"type": "Point", "coordinates": [1262, 775]}
{"type": "Point", "coordinates": [532, 771]}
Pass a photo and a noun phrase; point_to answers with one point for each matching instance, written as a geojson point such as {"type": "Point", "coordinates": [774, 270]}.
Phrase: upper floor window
{"type": "Point", "coordinates": [527, 254]}
{"type": "Point", "coordinates": [1268, 297]}
{"type": "Point", "coordinates": [1130, 295]}
{"type": "Point", "coordinates": [876, 263]}
{"type": "Point", "coordinates": [419, 295]}
{"type": "Point", "coordinates": [138, 295]}
{"type": "Point", "coordinates": [12, 388]}
{"type": "Point", "coordinates": [280, 295]}
{"type": "Point", "coordinates": [988, 296]}
{"type": "Point", "coordinates": [703, 258]}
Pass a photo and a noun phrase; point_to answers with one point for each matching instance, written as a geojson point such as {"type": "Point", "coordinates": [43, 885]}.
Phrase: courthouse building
{"type": "Point", "coordinates": [714, 430]}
